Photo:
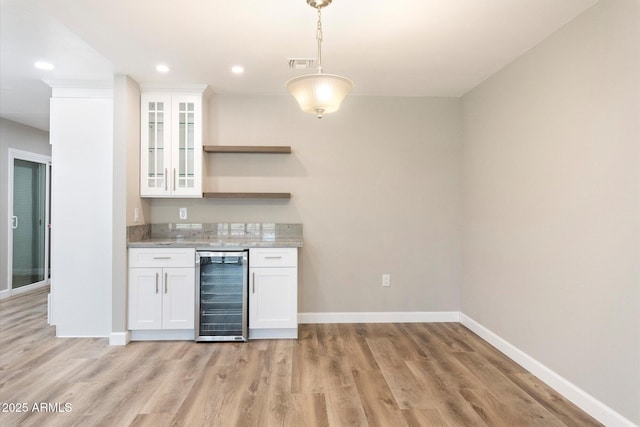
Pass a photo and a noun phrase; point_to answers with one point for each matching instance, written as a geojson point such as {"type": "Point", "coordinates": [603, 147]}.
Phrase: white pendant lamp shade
{"type": "Point", "coordinates": [319, 93]}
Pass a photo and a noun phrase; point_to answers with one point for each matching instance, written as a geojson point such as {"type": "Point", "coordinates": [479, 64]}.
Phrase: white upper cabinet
{"type": "Point", "coordinates": [171, 132]}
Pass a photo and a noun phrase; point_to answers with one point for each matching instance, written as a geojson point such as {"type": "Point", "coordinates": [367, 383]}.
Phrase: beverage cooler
{"type": "Point", "coordinates": [221, 295]}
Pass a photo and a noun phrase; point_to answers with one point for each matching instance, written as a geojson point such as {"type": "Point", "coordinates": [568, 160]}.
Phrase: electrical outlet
{"type": "Point", "coordinates": [136, 214]}
{"type": "Point", "coordinates": [386, 280]}
{"type": "Point", "coordinates": [183, 213]}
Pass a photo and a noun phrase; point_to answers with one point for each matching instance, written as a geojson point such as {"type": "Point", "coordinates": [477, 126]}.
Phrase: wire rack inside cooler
{"type": "Point", "coordinates": [222, 293]}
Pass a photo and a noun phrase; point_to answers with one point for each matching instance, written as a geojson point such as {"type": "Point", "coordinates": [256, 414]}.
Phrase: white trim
{"type": "Point", "coordinates": [287, 333]}
{"type": "Point", "coordinates": [79, 336]}
{"type": "Point", "coordinates": [119, 338]}
{"type": "Point", "coordinates": [6, 293]}
{"type": "Point", "coordinates": [80, 88]}
{"type": "Point", "coordinates": [49, 312]}
{"type": "Point", "coordinates": [380, 317]}
{"type": "Point", "coordinates": [163, 335]}
{"type": "Point", "coordinates": [79, 84]}
{"type": "Point", "coordinates": [571, 392]}
{"type": "Point", "coordinates": [82, 93]}
{"type": "Point", "coordinates": [197, 88]}
{"type": "Point", "coordinates": [29, 156]}
{"type": "Point", "coordinates": [51, 317]}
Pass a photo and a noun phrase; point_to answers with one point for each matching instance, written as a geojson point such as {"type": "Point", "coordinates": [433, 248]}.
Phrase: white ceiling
{"type": "Point", "coordinates": [388, 48]}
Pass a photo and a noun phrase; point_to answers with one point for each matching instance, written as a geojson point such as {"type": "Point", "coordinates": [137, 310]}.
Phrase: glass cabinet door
{"type": "Point", "coordinates": [187, 150]}
{"type": "Point", "coordinates": [155, 152]}
{"type": "Point", "coordinates": [185, 145]}
{"type": "Point", "coordinates": [157, 172]}
{"type": "Point", "coordinates": [171, 145]}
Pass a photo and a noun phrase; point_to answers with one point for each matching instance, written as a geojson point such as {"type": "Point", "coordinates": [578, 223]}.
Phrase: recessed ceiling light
{"type": "Point", "coordinates": [237, 69]}
{"type": "Point", "coordinates": [42, 65]}
{"type": "Point", "coordinates": [162, 68]}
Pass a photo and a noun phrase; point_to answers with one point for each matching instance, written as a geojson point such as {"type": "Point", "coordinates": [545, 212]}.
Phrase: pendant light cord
{"type": "Point", "coordinates": [319, 37]}
{"type": "Point", "coordinates": [319, 93]}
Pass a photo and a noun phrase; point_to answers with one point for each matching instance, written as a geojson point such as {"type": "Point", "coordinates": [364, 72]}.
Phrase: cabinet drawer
{"type": "Point", "coordinates": [273, 257]}
{"type": "Point", "coordinates": [162, 257]}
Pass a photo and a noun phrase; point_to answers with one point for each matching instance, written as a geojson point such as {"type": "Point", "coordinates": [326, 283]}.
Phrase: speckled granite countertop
{"type": "Point", "coordinates": [213, 236]}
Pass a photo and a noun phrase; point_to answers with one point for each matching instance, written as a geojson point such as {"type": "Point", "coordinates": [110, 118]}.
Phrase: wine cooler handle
{"type": "Point", "coordinates": [157, 282]}
{"type": "Point", "coordinates": [166, 279]}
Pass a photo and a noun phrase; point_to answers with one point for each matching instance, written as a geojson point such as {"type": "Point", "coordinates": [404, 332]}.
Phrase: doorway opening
{"type": "Point", "coordinates": [29, 229]}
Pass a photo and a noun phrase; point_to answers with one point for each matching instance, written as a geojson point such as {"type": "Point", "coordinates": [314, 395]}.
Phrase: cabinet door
{"type": "Point", "coordinates": [155, 145]}
{"type": "Point", "coordinates": [145, 298]}
{"type": "Point", "coordinates": [186, 169]}
{"type": "Point", "coordinates": [178, 305]}
{"type": "Point", "coordinates": [273, 298]}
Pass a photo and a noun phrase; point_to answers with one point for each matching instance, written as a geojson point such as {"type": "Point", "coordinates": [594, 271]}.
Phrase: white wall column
{"type": "Point", "coordinates": [81, 135]}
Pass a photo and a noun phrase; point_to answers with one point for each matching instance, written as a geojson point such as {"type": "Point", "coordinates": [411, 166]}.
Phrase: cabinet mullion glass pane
{"type": "Point", "coordinates": [160, 144]}
{"type": "Point", "coordinates": [152, 145]}
{"type": "Point", "coordinates": [190, 147]}
{"type": "Point", "coordinates": [156, 138]}
{"type": "Point", "coordinates": [182, 146]}
{"type": "Point", "coordinates": [185, 138]}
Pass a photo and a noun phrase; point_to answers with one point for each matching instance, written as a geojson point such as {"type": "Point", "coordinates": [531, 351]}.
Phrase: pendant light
{"type": "Point", "coordinates": [319, 93]}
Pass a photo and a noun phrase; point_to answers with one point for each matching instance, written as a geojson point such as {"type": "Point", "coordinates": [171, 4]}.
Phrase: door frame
{"type": "Point", "coordinates": [35, 158]}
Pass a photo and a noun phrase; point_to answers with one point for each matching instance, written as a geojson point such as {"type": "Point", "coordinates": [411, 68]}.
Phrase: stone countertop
{"type": "Point", "coordinates": [220, 236]}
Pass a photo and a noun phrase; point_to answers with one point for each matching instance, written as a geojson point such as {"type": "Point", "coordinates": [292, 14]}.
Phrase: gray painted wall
{"type": "Point", "coordinates": [21, 137]}
{"type": "Point", "coordinates": [377, 187]}
{"type": "Point", "coordinates": [551, 258]}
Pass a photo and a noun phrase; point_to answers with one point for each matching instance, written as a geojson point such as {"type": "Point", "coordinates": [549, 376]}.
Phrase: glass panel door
{"type": "Point", "coordinates": [157, 169]}
{"type": "Point", "coordinates": [29, 223]}
{"type": "Point", "coordinates": [186, 145]}
{"type": "Point", "coordinates": [222, 294]}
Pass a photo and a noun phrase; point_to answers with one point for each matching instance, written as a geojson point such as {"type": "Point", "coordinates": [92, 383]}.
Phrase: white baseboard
{"type": "Point", "coordinates": [49, 307]}
{"type": "Point", "coordinates": [163, 335]}
{"type": "Point", "coordinates": [260, 334]}
{"type": "Point", "coordinates": [571, 392]}
{"type": "Point", "coordinates": [380, 317]}
{"type": "Point", "coordinates": [119, 338]}
{"type": "Point", "coordinates": [5, 293]}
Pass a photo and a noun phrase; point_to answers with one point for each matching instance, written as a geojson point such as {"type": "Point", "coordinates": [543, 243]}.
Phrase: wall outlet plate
{"type": "Point", "coordinates": [386, 280]}
{"type": "Point", "coordinates": [183, 213]}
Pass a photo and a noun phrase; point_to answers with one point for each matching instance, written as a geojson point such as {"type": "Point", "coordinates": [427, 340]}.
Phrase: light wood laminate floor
{"type": "Point", "coordinates": [389, 375]}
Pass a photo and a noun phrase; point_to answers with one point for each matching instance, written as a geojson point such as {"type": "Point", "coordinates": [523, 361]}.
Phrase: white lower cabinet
{"type": "Point", "coordinates": [272, 301]}
{"type": "Point", "coordinates": [273, 293]}
{"type": "Point", "coordinates": [161, 298]}
{"type": "Point", "coordinates": [162, 293]}
{"type": "Point", "coordinates": [161, 289]}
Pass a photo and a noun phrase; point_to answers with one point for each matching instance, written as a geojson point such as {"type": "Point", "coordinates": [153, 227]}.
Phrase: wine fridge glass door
{"type": "Point", "coordinates": [222, 296]}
